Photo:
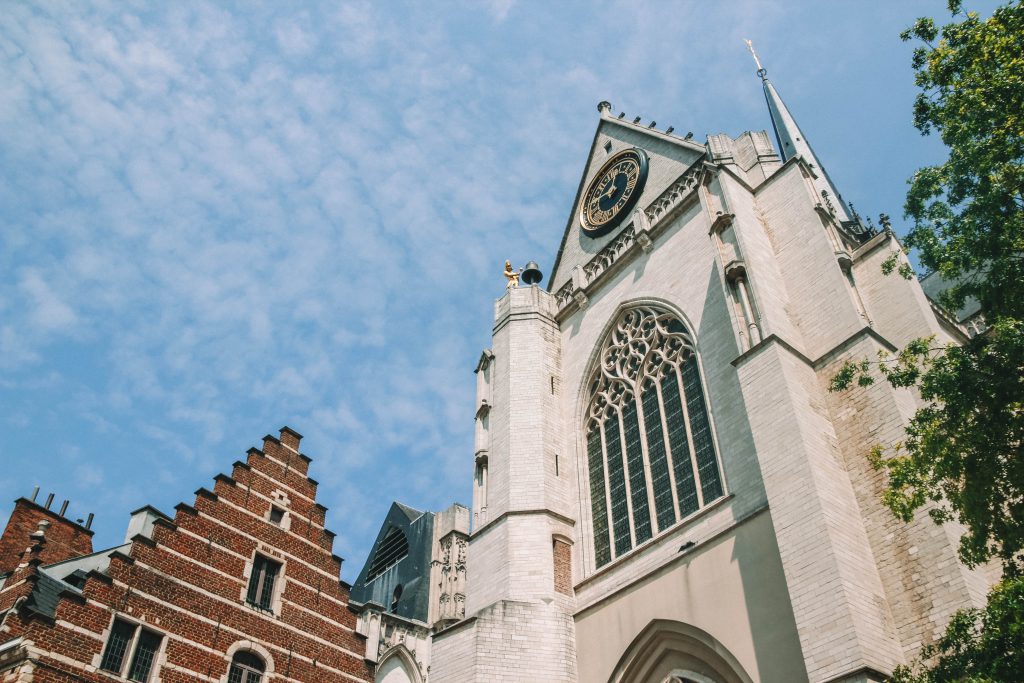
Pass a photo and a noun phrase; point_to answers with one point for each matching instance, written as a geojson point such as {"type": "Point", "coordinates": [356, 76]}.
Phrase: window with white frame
{"type": "Point", "coordinates": [131, 650]}
{"type": "Point", "coordinates": [650, 453]}
{"type": "Point", "coordinates": [261, 582]}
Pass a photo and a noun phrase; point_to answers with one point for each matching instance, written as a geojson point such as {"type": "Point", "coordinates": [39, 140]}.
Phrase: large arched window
{"type": "Point", "coordinates": [650, 454]}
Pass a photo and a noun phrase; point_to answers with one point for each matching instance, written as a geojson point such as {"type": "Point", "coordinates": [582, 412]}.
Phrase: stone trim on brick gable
{"type": "Point", "coordinates": [292, 534]}
{"type": "Point", "coordinates": [311, 559]}
{"type": "Point", "coordinates": [248, 468]}
{"type": "Point", "coordinates": [299, 508]}
{"type": "Point", "coordinates": [292, 578]}
{"type": "Point", "coordinates": [186, 580]}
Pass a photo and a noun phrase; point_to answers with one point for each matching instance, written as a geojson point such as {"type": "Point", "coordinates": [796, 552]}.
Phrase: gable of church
{"type": "Point", "coordinates": [669, 157]}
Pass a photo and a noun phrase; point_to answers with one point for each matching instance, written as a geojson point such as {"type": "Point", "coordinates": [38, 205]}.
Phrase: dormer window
{"type": "Point", "coordinates": [392, 550]}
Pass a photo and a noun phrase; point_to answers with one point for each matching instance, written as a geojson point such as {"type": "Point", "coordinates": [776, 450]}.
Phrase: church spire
{"type": "Point", "coordinates": [793, 143]}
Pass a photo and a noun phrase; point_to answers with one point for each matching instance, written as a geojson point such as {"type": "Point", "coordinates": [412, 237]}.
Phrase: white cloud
{"type": "Point", "coordinates": [47, 311]}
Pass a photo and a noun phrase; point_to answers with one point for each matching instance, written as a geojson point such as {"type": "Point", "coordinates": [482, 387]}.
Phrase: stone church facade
{"type": "Point", "coordinates": [664, 488]}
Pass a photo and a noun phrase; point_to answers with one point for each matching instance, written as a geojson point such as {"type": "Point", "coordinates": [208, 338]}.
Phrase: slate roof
{"type": "Point", "coordinates": [60, 578]}
{"type": "Point", "coordinates": [46, 595]}
{"type": "Point", "coordinates": [411, 572]}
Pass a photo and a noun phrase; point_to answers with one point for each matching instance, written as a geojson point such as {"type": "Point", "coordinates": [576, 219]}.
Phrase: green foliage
{"type": "Point", "coordinates": [978, 646]}
{"type": "Point", "coordinates": [964, 451]}
{"type": "Point", "coordinates": [968, 212]}
{"type": "Point", "coordinates": [962, 456]}
{"type": "Point", "coordinates": [895, 262]}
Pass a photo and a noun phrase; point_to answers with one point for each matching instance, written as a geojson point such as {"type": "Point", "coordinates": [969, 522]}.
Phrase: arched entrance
{"type": "Point", "coordinates": [397, 666]}
{"type": "Point", "coordinates": [673, 652]}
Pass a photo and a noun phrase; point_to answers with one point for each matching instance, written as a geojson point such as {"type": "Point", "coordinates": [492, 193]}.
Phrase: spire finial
{"type": "Point", "coordinates": [761, 71]}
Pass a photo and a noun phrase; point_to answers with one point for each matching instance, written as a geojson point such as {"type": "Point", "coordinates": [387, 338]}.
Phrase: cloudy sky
{"type": "Point", "coordinates": [219, 219]}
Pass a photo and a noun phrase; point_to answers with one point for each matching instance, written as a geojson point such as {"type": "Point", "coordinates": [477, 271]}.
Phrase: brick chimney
{"type": "Point", "coordinates": [64, 538]}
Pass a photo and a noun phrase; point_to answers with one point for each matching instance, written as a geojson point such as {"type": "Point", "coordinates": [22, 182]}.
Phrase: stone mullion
{"type": "Point", "coordinates": [607, 492]}
{"type": "Point", "coordinates": [624, 456]}
{"type": "Point", "coordinates": [670, 463]}
{"type": "Point", "coordinates": [691, 446]}
{"type": "Point", "coordinates": [652, 503]}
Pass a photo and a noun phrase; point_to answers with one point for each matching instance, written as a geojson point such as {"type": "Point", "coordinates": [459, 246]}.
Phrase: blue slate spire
{"type": "Point", "coordinates": [792, 142]}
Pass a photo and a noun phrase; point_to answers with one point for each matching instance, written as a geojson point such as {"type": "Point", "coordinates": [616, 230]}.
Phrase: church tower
{"type": "Point", "coordinates": [519, 602]}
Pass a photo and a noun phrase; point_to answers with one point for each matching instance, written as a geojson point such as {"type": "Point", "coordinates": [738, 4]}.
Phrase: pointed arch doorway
{"type": "Point", "coordinates": [669, 651]}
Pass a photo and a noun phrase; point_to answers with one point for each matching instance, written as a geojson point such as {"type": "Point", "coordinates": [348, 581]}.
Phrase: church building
{"type": "Point", "coordinates": [664, 488]}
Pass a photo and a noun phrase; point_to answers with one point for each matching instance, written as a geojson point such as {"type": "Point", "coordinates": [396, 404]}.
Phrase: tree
{"type": "Point", "coordinates": [963, 451]}
{"type": "Point", "coordinates": [963, 455]}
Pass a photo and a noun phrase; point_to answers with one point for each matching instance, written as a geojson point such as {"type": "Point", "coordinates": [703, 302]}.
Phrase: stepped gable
{"type": "Point", "coordinates": [247, 567]}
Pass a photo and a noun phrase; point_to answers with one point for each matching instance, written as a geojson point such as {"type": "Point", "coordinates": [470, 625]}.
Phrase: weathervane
{"type": "Point", "coordinates": [761, 71]}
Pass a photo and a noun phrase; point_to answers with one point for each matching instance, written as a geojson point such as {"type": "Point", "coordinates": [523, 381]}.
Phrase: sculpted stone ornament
{"type": "Point", "coordinates": [512, 274]}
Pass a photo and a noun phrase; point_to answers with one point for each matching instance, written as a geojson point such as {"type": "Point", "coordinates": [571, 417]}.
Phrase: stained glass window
{"type": "Point", "coordinates": [647, 433]}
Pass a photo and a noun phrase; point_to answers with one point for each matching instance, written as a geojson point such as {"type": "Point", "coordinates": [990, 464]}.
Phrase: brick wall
{"type": "Point", "coordinates": [188, 583]}
{"type": "Point", "coordinates": [65, 538]}
{"type": "Point", "coordinates": [562, 556]}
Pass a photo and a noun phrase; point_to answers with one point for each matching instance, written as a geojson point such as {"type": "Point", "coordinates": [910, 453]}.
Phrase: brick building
{"type": "Point", "coordinates": [239, 587]}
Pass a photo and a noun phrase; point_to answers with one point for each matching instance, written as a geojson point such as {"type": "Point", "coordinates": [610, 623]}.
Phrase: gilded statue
{"type": "Point", "coordinates": [512, 275]}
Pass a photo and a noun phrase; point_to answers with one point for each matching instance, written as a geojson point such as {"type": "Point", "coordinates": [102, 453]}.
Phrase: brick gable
{"type": "Point", "coordinates": [187, 579]}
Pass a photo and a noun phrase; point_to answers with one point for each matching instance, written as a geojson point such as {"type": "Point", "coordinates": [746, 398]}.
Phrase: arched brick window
{"type": "Point", "coordinates": [246, 667]}
{"type": "Point", "coordinates": [650, 453]}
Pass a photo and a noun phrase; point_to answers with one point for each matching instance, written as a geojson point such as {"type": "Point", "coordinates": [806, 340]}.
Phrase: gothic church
{"type": "Point", "coordinates": [664, 488]}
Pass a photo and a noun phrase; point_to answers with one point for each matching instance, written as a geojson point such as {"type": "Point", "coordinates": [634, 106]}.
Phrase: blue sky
{"type": "Point", "coordinates": [219, 219]}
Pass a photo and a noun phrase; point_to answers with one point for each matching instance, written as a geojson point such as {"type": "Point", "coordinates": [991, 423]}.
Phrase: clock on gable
{"type": "Point", "coordinates": [613, 192]}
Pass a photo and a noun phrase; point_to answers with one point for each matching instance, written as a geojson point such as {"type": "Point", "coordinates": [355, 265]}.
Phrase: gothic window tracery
{"type": "Point", "coordinates": [650, 453]}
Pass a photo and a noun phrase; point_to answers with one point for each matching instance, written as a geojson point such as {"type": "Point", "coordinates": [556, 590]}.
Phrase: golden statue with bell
{"type": "Point", "coordinates": [530, 273]}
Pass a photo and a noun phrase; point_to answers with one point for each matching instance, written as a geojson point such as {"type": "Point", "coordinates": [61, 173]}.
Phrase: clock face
{"type": "Point", "coordinates": [613, 192]}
